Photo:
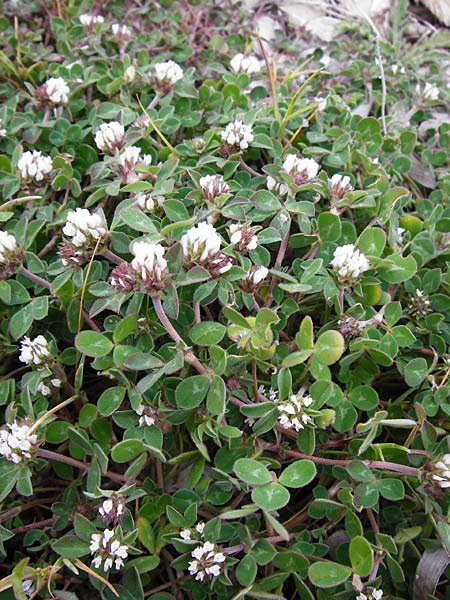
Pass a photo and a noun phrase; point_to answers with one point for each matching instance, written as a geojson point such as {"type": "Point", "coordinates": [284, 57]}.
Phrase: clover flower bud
{"type": "Point", "coordinates": [198, 144]}
{"type": "Point", "coordinates": [237, 135]}
{"type": "Point", "coordinates": [293, 413]}
{"type": "Point", "coordinates": [121, 32]}
{"type": "Point", "coordinates": [56, 91]}
{"type": "Point", "coordinates": [399, 233]}
{"type": "Point", "coordinates": [349, 263]}
{"type": "Point", "coordinates": [301, 169]}
{"type": "Point", "coordinates": [349, 327]}
{"type": "Point", "coordinates": [145, 201]}
{"type": "Point", "coordinates": [243, 237]}
{"type": "Point", "coordinates": [34, 352]}
{"type": "Point", "coordinates": [373, 594]}
{"type": "Point", "coordinates": [150, 265]}
{"type": "Point", "coordinates": [110, 137]}
{"type": "Point", "coordinates": [339, 185]}
{"type": "Point", "coordinates": [142, 122]}
{"type": "Point", "coordinates": [11, 255]}
{"type": "Point", "coordinates": [208, 561]}
{"type": "Point", "coordinates": [213, 186]}
{"type": "Point", "coordinates": [167, 74]}
{"type": "Point", "coordinates": [107, 549]}
{"type": "Point", "coordinates": [112, 509]}
{"type": "Point", "coordinates": [254, 277]}
{"type": "Point", "coordinates": [85, 228]}
{"type": "Point", "coordinates": [429, 92]}
{"type": "Point", "coordinates": [419, 305]}
{"type": "Point", "coordinates": [129, 74]}
{"type": "Point", "coordinates": [71, 256]}
{"type": "Point", "coordinates": [90, 21]}
{"type": "Point", "coordinates": [128, 160]}
{"type": "Point", "coordinates": [48, 386]}
{"type": "Point", "coordinates": [147, 415]}
{"type": "Point", "coordinates": [276, 187]}
{"type": "Point", "coordinates": [220, 264]}
{"type": "Point", "coordinates": [321, 103]}
{"type": "Point", "coordinates": [186, 534]}
{"type": "Point", "coordinates": [28, 587]}
{"type": "Point", "coordinates": [245, 64]}
{"type": "Point", "coordinates": [123, 278]}
{"type": "Point", "coordinates": [17, 444]}
{"type": "Point", "coordinates": [34, 166]}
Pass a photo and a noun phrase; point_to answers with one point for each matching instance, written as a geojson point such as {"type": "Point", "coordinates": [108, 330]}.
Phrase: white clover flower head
{"type": "Point", "coordinates": [84, 228]}
{"type": "Point", "coordinates": [91, 20]}
{"type": "Point", "coordinates": [17, 443]}
{"type": "Point", "coordinates": [121, 31]}
{"type": "Point", "coordinates": [237, 135]}
{"type": "Point", "coordinates": [9, 250]}
{"type": "Point", "coordinates": [293, 413]}
{"type": "Point", "coordinates": [243, 237]}
{"type": "Point", "coordinates": [56, 90]}
{"type": "Point", "coordinates": [276, 187]}
{"type": "Point", "coordinates": [349, 263]}
{"type": "Point", "coordinates": [208, 561]}
{"type": "Point", "coordinates": [200, 243]}
{"type": "Point", "coordinates": [245, 64]}
{"type": "Point", "coordinates": [147, 415]}
{"type": "Point", "coordinates": [213, 186]}
{"type": "Point", "coordinates": [112, 509]}
{"type": "Point", "coordinates": [34, 352]}
{"type": "Point", "coordinates": [301, 169]}
{"type": "Point", "coordinates": [168, 73]}
{"type": "Point", "coordinates": [441, 471]}
{"type": "Point", "coordinates": [110, 137]}
{"type": "Point", "coordinates": [150, 265]}
{"type": "Point", "coordinates": [34, 166]}
{"type": "Point", "coordinates": [145, 201]}
{"type": "Point", "coordinates": [429, 92]}
{"type": "Point", "coordinates": [339, 185]}
{"type": "Point", "coordinates": [373, 594]}
{"type": "Point", "coordinates": [255, 276]}
{"type": "Point", "coordinates": [128, 159]}
{"type": "Point", "coordinates": [107, 549]}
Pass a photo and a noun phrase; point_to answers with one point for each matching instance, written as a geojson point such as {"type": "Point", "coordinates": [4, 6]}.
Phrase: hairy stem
{"type": "Point", "coordinates": [188, 355]}
{"type": "Point", "coordinates": [112, 257]}
{"type": "Point", "coordinates": [247, 168]}
{"type": "Point", "coordinates": [278, 262]}
{"type": "Point", "coordinates": [73, 462]}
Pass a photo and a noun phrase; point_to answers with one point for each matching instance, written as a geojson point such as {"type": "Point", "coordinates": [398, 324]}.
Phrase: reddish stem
{"type": "Point", "coordinates": [188, 355]}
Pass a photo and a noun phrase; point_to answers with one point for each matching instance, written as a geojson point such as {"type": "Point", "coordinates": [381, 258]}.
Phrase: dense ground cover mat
{"type": "Point", "coordinates": [224, 304]}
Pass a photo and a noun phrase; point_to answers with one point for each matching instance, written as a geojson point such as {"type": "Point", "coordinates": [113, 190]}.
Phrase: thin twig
{"type": "Point", "coordinates": [15, 201]}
